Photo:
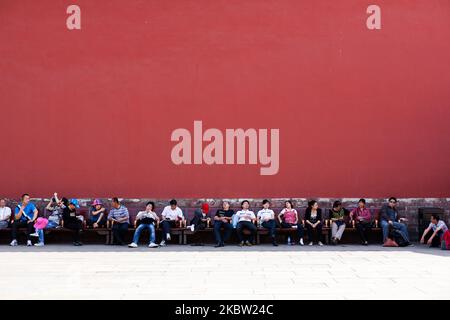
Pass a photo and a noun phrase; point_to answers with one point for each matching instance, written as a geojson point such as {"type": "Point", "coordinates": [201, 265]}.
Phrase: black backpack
{"type": "Point", "coordinates": [398, 237]}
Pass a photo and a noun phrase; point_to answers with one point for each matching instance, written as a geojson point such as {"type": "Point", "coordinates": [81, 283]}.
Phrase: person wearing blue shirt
{"type": "Point", "coordinates": [25, 214]}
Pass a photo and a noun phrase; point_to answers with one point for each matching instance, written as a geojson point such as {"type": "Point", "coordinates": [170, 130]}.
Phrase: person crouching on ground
{"type": "Point", "coordinates": [438, 227]}
{"type": "Point", "coordinates": [246, 222]}
{"type": "Point", "coordinates": [266, 219]}
{"type": "Point", "coordinates": [171, 215]}
{"type": "Point", "coordinates": [146, 219]}
{"type": "Point", "coordinates": [120, 218]}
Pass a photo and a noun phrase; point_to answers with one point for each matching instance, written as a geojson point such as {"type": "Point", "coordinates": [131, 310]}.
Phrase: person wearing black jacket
{"type": "Point", "coordinates": [223, 219]}
{"type": "Point", "coordinates": [71, 221]}
{"type": "Point", "coordinates": [313, 222]}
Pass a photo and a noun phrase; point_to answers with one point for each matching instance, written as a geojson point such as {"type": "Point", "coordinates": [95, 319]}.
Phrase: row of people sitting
{"type": "Point", "coordinates": [63, 212]}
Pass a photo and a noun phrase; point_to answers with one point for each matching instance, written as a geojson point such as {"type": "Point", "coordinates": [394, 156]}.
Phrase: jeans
{"type": "Point", "coordinates": [119, 231]}
{"type": "Point", "coordinates": [40, 232]}
{"type": "Point", "coordinates": [314, 232]}
{"type": "Point", "coordinates": [166, 225]}
{"type": "Point", "coordinates": [245, 225]}
{"type": "Point", "coordinates": [142, 226]}
{"type": "Point", "coordinates": [396, 225]}
{"type": "Point", "coordinates": [271, 225]}
{"type": "Point", "coordinates": [228, 229]}
{"type": "Point", "coordinates": [337, 232]}
{"type": "Point", "coordinates": [3, 224]}
{"type": "Point", "coordinates": [22, 224]}
{"type": "Point", "coordinates": [300, 229]}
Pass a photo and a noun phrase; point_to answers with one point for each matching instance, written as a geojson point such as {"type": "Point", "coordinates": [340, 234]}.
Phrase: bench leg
{"type": "Point", "coordinates": [258, 240]}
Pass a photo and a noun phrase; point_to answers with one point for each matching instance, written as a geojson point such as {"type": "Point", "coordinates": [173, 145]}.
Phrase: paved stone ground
{"type": "Point", "coordinates": [260, 272]}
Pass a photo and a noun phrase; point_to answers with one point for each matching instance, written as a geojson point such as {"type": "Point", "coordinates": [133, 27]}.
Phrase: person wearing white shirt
{"type": "Point", "coordinates": [5, 214]}
{"type": "Point", "coordinates": [246, 219]}
{"type": "Point", "coordinates": [266, 219]}
{"type": "Point", "coordinates": [170, 216]}
{"type": "Point", "coordinates": [146, 219]}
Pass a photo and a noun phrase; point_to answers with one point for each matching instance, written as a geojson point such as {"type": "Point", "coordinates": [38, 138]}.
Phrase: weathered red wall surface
{"type": "Point", "coordinates": [90, 112]}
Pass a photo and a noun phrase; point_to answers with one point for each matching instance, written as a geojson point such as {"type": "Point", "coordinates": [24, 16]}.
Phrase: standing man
{"type": "Point", "coordinates": [266, 218]}
{"type": "Point", "coordinates": [390, 217]}
{"type": "Point", "coordinates": [5, 214]}
{"type": "Point", "coordinates": [120, 218]}
{"type": "Point", "coordinates": [24, 216]}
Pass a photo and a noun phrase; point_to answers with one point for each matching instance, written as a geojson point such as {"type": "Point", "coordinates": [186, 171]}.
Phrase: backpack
{"type": "Point", "coordinates": [399, 238]}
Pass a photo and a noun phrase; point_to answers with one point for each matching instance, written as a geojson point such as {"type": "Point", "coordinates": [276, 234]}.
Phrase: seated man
{"type": "Point", "coordinates": [171, 215]}
{"type": "Point", "coordinates": [120, 218]}
{"type": "Point", "coordinates": [439, 228]}
{"type": "Point", "coordinates": [266, 218]}
{"type": "Point", "coordinates": [336, 215]}
{"type": "Point", "coordinates": [390, 217]}
{"type": "Point", "coordinates": [5, 214]}
{"type": "Point", "coordinates": [25, 215]}
{"type": "Point", "coordinates": [245, 222]}
{"type": "Point", "coordinates": [54, 211]}
{"type": "Point", "coordinates": [200, 219]}
{"type": "Point", "coordinates": [71, 219]}
{"type": "Point", "coordinates": [223, 219]}
{"type": "Point", "coordinates": [146, 219]}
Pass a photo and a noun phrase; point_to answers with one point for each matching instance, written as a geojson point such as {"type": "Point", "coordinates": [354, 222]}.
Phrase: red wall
{"type": "Point", "coordinates": [90, 112]}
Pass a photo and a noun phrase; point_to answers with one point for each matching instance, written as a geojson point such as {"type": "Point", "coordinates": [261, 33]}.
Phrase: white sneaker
{"type": "Point", "coordinates": [163, 243]}
{"type": "Point", "coordinates": [153, 245]}
{"type": "Point", "coordinates": [168, 236]}
{"type": "Point", "coordinates": [301, 242]}
{"type": "Point", "coordinates": [310, 244]}
{"type": "Point", "coordinates": [39, 244]}
{"type": "Point", "coordinates": [132, 245]}
{"type": "Point", "coordinates": [320, 243]}
{"type": "Point", "coordinates": [192, 227]}
{"type": "Point", "coordinates": [13, 243]}
{"type": "Point", "coordinates": [34, 235]}
{"type": "Point", "coordinates": [29, 244]}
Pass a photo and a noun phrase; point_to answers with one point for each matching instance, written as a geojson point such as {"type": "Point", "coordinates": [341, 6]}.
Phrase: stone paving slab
{"type": "Point", "coordinates": [259, 272]}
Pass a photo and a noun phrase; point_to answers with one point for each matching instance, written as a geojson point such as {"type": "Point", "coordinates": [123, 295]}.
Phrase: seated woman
{"type": "Point", "coordinates": [337, 214]}
{"type": "Point", "coordinates": [97, 215]}
{"type": "Point", "coordinates": [266, 218]}
{"type": "Point", "coordinates": [363, 220]}
{"type": "Point", "coordinates": [313, 222]}
{"type": "Point", "coordinates": [146, 220]}
{"type": "Point", "coordinates": [438, 227]}
{"type": "Point", "coordinates": [245, 222]}
{"type": "Point", "coordinates": [71, 220]}
{"type": "Point", "coordinates": [54, 211]}
{"type": "Point", "coordinates": [289, 218]}
{"type": "Point", "coordinates": [171, 215]}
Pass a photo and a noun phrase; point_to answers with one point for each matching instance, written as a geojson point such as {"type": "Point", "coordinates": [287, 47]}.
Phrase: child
{"type": "Point", "coordinates": [39, 226]}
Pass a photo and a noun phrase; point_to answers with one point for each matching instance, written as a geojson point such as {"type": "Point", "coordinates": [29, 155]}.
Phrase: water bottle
{"type": "Point", "coordinates": [289, 241]}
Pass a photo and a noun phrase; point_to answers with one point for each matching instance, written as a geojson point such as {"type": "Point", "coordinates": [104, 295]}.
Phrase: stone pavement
{"type": "Point", "coordinates": [259, 272]}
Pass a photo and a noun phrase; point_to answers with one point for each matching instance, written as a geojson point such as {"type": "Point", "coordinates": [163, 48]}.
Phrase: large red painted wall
{"type": "Point", "coordinates": [90, 112]}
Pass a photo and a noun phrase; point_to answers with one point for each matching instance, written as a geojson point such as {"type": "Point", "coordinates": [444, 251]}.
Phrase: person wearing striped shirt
{"type": "Point", "coordinates": [120, 218]}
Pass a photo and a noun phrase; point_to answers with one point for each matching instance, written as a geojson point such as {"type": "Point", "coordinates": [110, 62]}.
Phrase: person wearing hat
{"type": "Point", "coordinates": [97, 214]}
{"type": "Point", "coordinates": [71, 220]}
{"type": "Point", "coordinates": [40, 224]}
{"type": "Point", "coordinates": [200, 219]}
